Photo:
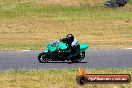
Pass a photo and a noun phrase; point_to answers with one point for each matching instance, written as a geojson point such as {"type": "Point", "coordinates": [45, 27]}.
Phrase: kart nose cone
{"type": "Point", "coordinates": [84, 46]}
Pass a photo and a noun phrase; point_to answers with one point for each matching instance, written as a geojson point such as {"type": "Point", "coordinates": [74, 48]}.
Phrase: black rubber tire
{"type": "Point", "coordinates": [107, 4]}
{"type": "Point", "coordinates": [41, 59]}
{"type": "Point", "coordinates": [80, 58]}
{"type": "Point", "coordinates": [81, 80]}
{"type": "Point", "coordinates": [111, 4]}
{"type": "Point", "coordinates": [115, 3]}
{"type": "Point", "coordinates": [76, 60]}
{"type": "Point", "coordinates": [121, 3]}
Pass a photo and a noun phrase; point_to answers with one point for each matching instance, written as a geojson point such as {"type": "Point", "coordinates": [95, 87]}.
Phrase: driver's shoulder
{"type": "Point", "coordinates": [75, 42]}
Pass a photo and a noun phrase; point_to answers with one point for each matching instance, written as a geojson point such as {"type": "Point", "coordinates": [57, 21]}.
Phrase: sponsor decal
{"type": "Point", "coordinates": [84, 78]}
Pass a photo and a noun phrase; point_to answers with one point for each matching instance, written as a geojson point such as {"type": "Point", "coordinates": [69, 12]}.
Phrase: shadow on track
{"type": "Point", "coordinates": [64, 62]}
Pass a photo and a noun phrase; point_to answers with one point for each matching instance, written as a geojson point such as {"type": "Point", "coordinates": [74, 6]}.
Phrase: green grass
{"type": "Point", "coordinates": [55, 78]}
{"type": "Point", "coordinates": [32, 24]}
{"type": "Point", "coordinates": [19, 10]}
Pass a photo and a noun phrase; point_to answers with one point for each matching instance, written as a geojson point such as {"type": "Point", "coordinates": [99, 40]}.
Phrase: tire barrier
{"type": "Point", "coordinates": [115, 3]}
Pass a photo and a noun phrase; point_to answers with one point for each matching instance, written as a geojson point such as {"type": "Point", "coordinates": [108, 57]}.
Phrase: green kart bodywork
{"type": "Point", "coordinates": [57, 51]}
{"type": "Point", "coordinates": [63, 46]}
{"type": "Point", "coordinates": [83, 47]}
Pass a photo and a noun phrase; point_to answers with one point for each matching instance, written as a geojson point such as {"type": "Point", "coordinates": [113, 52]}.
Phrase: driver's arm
{"type": "Point", "coordinates": [63, 40]}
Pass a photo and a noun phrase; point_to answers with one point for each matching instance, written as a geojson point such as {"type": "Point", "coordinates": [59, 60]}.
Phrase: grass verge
{"type": "Point", "coordinates": [32, 24]}
{"type": "Point", "coordinates": [55, 78]}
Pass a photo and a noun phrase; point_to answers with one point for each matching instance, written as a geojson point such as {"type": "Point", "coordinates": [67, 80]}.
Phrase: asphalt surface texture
{"type": "Point", "coordinates": [95, 58]}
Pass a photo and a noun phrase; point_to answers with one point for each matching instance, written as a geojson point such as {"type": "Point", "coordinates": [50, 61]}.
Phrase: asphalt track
{"type": "Point", "coordinates": [95, 58]}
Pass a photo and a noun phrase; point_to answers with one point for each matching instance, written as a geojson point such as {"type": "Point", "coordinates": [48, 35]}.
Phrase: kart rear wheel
{"type": "Point", "coordinates": [76, 59]}
{"type": "Point", "coordinates": [79, 57]}
{"type": "Point", "coordinates": [43, 57]}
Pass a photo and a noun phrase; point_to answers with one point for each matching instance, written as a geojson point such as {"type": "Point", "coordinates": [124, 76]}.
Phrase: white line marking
{"type": "Point", "coordinates": [128, 48]}
{"type": "Point", "coordinates": [25, 50]}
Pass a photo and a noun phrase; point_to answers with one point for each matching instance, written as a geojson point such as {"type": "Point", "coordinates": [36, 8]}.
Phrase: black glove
{"type": "Point", "coordinates": [63, 40]}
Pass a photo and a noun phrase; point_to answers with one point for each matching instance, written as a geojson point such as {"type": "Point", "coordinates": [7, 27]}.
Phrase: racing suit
{"type": "Point", "coordinates": [73, 50]}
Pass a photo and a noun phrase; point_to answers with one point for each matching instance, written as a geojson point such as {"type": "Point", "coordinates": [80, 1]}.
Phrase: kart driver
{"type": "Point", "coordinates": [74, 47]}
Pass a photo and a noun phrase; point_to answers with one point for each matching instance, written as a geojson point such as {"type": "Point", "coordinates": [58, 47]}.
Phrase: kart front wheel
{"type": "Point", "coordinates": [43, 57]}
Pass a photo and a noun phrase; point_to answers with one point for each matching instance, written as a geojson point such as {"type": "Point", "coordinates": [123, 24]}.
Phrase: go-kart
{"type": "Point", "coordinates": [57, 51]}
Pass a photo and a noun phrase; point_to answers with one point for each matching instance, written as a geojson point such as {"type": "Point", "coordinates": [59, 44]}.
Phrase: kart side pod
{"type": "Point", "coordinates": [83, 47]}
